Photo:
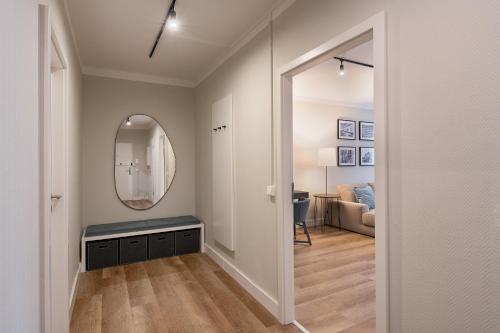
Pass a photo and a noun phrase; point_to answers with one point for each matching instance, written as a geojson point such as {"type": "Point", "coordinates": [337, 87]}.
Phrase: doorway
{"type": "Point", "coordinates": [54, 175]}
{"type": "Point", "coordinates": [373, 28]}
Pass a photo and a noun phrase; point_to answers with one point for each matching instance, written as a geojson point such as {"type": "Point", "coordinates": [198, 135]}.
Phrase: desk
{"type": "Point", "coordinates": [297, 194]}
{"type": "Point", "coordinates": [324, 200]}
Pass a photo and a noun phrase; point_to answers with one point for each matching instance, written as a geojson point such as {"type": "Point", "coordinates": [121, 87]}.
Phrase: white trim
{"type": "Point", "coordinates": [372, 28]}
{"type": "Point", "coordinates": [322, 101]}
{"type": "Point", "coordinates": [84, 241]}
{"type": "Point", "coordinates": [300, 327]}
{"type": "Point", "coordinates": [260, 25]}
{"type": "Point", "coordinates": [74, 288]}
{"type": "Point", "coordinates": [114, 74]}
{"type": "Point", "coordinates": [269, 302]}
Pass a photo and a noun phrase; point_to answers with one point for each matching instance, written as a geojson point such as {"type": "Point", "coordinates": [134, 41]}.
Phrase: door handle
{"type": "Point", "coordinates": [56, 196]}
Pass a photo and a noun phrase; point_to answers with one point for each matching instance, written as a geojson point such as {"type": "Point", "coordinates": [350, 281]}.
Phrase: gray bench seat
{"type": "Point", "coordinates": [134, 226]}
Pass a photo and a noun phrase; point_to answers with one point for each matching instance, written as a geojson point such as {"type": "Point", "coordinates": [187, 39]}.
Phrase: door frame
{"type": "Point", "coordinates": [372, 28]}
{"type": "Point", "coordinates": [48, 39]}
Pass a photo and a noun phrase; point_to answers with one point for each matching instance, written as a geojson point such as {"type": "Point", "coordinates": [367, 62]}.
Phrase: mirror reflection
{"type": "Point", "coordinates": [144, 162]}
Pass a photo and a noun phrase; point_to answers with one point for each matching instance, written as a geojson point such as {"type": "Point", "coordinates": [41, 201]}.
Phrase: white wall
{"type": "Point", "coordinates": [19, 170]}
{"type": "Point", "coordinates": [107, 102]}
{"type": "Point", "coordinates": [314, 127]}
{"type": "Point", "coordinates": [443, 125]}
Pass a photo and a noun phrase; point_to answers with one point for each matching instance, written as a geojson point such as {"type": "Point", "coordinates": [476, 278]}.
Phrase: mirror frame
{"type": "Point", "coordinates": [114, 162]}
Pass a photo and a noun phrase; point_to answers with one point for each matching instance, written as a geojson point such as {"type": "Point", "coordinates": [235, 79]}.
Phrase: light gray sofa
{"type": "Point", "coordinates": [355, 216]}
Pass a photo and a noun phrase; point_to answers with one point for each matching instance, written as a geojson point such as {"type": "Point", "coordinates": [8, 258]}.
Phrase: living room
{"type": "Point", "coordinates": [334, 193]}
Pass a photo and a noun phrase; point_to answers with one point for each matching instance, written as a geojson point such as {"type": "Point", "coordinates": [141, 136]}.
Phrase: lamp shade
{"type": "Point", "coordinates": [327, 157]}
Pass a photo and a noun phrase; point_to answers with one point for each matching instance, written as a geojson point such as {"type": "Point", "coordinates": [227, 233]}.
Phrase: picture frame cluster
{"type": "Point", "coordinates": [347, 130]}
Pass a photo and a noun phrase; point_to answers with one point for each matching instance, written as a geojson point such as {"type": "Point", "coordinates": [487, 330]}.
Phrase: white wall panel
{"type": "Point", "coordinates": [222, 172]}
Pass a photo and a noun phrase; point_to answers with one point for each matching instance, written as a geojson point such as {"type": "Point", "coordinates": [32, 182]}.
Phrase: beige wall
{"type": "Point", "coordinates": [443, 125]}
{"type": "Point", "coordinates": [314, 127]}
{"type": "Point", "coordinates": [107, 102]}
{"type": "Point", "coordinates": [246, 77]}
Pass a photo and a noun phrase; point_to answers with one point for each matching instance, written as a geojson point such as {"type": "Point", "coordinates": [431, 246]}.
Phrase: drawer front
{"type": "Point", "coordinates": [102, 254]}
{"type": "Point", "coordinates": [187, 241]}
{"type": "Point", "coordinates": [133, 249]}
{"type": "Point", "coordinates": [161, 245]}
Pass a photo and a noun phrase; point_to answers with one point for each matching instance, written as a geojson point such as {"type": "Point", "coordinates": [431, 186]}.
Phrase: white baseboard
{"type": "Point", "coordinates": [300, 327]}
{"type": "Point", "coordinates": [74, 287]}
{"type": "Point", "coordinates": [257, 292]}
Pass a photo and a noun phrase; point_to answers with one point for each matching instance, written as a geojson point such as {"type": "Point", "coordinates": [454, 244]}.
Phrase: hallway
{"type": "Point", "coordinates": [178, 294]}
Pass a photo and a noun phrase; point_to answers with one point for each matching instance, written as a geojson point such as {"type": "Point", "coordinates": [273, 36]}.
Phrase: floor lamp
{"type": "Point", "coordinates": [327, 157]}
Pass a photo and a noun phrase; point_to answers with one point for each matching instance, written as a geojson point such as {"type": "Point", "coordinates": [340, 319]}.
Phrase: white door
{"type": "Point", "coordinates": [58, 224]}
{"type": "Point", "coordinates": [124, 172]}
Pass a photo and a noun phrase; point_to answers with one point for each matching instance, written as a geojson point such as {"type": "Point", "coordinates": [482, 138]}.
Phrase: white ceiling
{"type": "Point", "coordinates": [116, 36]}
{"type": "Point", "coordinates": [323, 84]}
{"type": "Point", "coordinates": [139, 122]}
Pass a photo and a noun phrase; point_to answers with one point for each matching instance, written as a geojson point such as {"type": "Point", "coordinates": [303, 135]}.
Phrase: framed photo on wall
{"type": "Point", "coordinates": [366, 156]}
{"type": "Point", "coordinates": [346, 129]}
{"type": "Point", "coordinates": [366, 131]}
{"type": "Point", "coordinates": [346, 156]}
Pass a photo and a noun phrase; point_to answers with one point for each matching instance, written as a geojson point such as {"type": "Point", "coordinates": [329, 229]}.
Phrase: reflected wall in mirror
{"type": "Point", "coordinates": [144, 162]}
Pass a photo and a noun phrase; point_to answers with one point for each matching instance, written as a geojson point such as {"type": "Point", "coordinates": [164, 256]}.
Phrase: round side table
{"type": "Point", "coordinates": [324, 200]}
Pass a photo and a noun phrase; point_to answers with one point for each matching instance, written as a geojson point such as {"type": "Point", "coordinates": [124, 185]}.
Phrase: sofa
{"type": "Point", "coordinates": [355, 216]}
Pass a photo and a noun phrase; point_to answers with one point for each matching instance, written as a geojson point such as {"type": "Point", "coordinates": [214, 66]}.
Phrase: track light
{"type": "Point", "coordinates": [128, 123]}
{"type": "Point", "coordinates": [172, 20]}
{"type": "Point", "coordinates": [341, 72]}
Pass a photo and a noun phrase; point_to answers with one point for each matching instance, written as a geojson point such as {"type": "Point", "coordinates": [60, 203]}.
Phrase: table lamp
{"type": "Point", "coordinates": [327, 157]}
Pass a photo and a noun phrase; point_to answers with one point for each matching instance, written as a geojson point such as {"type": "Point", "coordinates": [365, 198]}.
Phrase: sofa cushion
{"type": "Point", "coordinates": [368, 218]}
{"type": "Point", "coordinates": [346, 191]}
{"type": "Point", "coordinates": [365, 195]}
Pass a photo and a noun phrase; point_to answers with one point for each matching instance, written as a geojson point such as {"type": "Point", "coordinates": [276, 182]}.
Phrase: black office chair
{"type": "Point", "coordinates": [300, 208]}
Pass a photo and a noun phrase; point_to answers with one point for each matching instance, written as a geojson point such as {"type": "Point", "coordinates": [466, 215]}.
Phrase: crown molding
{"type": "Point", "coordinates": [130, 76]}
{"type": "Point", "coordinates": [322, 101]}
{"type": "Point", "coordinates": [260, 25]}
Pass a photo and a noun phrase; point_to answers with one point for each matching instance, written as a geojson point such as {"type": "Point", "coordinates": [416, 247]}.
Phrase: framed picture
{"type": "Point", "coordinates": [346, 129]}
{"type": "Point", "coordinates": [366, 131]}
{"type": "Point", "coordinates": [346, 156]}
{"type": "Point", "coordinates": [366, 156]}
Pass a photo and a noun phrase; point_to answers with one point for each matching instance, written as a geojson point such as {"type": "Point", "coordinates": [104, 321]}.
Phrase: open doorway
{"type": "Point", "coordinates": [370, 31]}
{"type": "Point", "coordinates": [334, 196]}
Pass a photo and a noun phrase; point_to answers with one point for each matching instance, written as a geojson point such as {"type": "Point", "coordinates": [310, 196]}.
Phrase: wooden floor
{"type": "Point", "coordinates": [335, 282]}
{"type": "Point", "coordinates": [139, 204]}
{"type": "Point", "coordinates": [178, 294]}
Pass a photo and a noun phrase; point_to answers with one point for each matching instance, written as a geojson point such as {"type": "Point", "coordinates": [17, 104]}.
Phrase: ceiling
{"type": "Point", "coordinates": [323, 84]}
{"type": "Point", "coordinates": [139, 122]}
{"type": "Point", "coordinates": [114, 37]}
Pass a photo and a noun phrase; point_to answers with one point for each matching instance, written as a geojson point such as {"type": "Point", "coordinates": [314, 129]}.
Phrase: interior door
{"type": "Point", "coordinates": [124, 171]}
{"type": "Point", "coordinates": [58, 224]}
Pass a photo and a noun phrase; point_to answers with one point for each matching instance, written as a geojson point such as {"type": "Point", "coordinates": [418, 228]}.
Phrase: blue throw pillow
{"type": "Point", "coordinates": [365, 195]}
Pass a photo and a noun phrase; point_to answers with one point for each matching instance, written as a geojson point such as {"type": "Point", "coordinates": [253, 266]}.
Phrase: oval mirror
{"type": "Point", "coordinates": [144, 162]}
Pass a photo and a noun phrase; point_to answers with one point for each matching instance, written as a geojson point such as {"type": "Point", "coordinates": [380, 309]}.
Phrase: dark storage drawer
{"type": "Point", "coordinates": [102, 254]}
{"type": "Point", "coordinates": [133, 249]}
{"type": "Point", "coordinates": [187, 241]}
{"type": "Point", "coordinates": [161, 245]}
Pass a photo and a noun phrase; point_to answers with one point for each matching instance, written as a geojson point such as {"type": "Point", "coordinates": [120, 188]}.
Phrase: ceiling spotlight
{"type": "Point", "coordinates": [172, 20]}
{"type": "Point", "coordinates": [341, 72]}
{"type": "Point", "coordinates": [128, 123]}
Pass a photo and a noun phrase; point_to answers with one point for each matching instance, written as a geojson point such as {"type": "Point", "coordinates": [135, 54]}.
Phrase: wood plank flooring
{"type": "Point", "coordinates": [335, 282]}
{"type": "Point", "coordinates": [179, 294]}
